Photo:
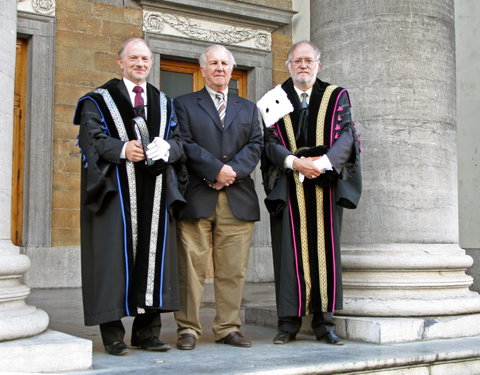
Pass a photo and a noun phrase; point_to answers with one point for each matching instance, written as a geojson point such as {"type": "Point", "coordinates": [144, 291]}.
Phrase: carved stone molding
{"type": "Point", "coordinates": [44, 7]}
{"type": "Point", "coordinates": [214, 32]}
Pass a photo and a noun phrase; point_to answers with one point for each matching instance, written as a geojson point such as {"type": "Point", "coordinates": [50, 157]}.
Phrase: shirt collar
{"type": "Point", "coordinates": [130, 85]}
{"type": "Point", "coordinates": [300, 92]}
{"type": "Point", "coordinates": [212, 93]}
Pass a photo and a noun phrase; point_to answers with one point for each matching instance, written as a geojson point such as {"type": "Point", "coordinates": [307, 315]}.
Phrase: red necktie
{"type": "Point", "coordinates": [138, 96]}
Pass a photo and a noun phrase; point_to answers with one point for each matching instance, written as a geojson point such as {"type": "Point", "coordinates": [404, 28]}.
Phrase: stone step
{"type": "Point", "coordinates": [454, 356]}
{"type": "Point", "coordinates": [50, 351]}
{"type": "Point", "coordinates": [380, 330]}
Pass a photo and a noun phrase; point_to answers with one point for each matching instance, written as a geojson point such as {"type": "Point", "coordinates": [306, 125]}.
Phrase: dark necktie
{"type": "Point", "coordinates": [302, 133]}
{"type": "Point", "coordinates": [220, 106]}
{"type": "Point", "coordinates": [304, 100]}
{"type": "Point", "coordinates": [139, 104]}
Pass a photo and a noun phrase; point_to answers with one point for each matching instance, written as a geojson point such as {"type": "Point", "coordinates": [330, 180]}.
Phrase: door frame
{"type": "Point", "coordinates": [37, 204]}
{"type": "Point", "coordinates": [257, 63]}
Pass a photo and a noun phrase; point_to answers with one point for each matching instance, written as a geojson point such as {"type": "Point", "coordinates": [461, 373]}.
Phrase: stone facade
{"type": "Point", "coordinates": [402, 82]}
{"type": "Point", "coordinates": [87, 37]}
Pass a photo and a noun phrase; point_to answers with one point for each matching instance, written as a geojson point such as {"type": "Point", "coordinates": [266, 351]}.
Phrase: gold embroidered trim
{"type": "Point", "coordinates": [302, 213]}
{"type": "Point", "coordinates": [322, 261]}
{"type": "Point", "coordinates": [321, 252]}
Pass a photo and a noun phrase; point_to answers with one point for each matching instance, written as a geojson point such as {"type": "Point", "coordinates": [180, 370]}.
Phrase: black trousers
{"type": "Point", "coordinates": [144, 327]}
{"type": "Point", "coordinates": [322, 322]}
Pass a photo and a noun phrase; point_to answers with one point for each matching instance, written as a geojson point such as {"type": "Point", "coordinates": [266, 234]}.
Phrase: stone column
{"type": "Point", "coordinates": [403, 265]}
{"type": "Point", "coordinates": [25, 343]}
{"type": "Point", "coordinates": [17, 319]}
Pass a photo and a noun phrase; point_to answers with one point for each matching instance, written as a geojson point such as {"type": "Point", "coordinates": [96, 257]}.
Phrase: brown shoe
{"type": "Point", "coordinates": [235, 339]}
{"type": "Point", "coordinates": [186, 341]}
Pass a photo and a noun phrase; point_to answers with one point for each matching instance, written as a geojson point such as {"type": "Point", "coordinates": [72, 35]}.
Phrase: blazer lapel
{"type": "Point", "coordinates": [206, 102]}
{"type": "Point", "coordinates": [233, 106]}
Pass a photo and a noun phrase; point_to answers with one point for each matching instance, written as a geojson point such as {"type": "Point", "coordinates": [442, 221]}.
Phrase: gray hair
{"type": "Point", "coordinates": [203, 57]}
{"type": "Point", "coordinates": [121, 51]}
{"type": "Point", "coordinates": [316, 51]}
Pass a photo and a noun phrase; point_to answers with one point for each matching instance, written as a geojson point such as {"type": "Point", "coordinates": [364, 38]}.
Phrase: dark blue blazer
{"type": "Point", "coordinates": [209, 145]}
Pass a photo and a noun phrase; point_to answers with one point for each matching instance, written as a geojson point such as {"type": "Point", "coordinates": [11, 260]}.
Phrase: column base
{"type": "Point", "coordinates": [378, 330]}
{"type": "Point", "coordinates": [22, 321]}
{"type": "Point", "coordinates": [50, 351]}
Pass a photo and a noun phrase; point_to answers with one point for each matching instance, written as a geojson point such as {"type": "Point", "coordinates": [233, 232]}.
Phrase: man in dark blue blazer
{"type": "Point", "coordinates": [223, 143]}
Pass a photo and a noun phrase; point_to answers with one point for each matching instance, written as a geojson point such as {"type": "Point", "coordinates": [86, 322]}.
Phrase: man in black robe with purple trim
{"type": "Point", "coordinates": [311, 169]}
{"type": "Point", "coordinates": [130, 194]}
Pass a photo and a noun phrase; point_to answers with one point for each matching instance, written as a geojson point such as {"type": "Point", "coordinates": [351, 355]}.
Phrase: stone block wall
{"type": "Point", "coordinates": [88, 35]}
{"type": "Point", "coordinates": [281, 42]}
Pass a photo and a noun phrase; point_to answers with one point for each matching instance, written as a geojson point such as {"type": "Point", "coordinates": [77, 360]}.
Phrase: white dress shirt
{"type": "Point", "coordinates": [130, 85]}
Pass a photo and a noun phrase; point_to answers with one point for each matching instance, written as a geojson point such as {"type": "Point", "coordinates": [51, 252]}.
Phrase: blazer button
{"type": "Point", "coordinates": [224, 157]}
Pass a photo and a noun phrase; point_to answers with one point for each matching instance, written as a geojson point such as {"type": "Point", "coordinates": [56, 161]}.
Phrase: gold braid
{"type": "Point", "coordinates": [322, 259]}
{"type": "Point", "coordinates": [302, 213]}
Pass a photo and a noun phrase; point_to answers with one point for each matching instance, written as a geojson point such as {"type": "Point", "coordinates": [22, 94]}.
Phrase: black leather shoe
{"type": "Point", "coordinates": [186, 341]}
{"type": "Point", "coordinates": [283, 338]}
{"type": "Point", "coordinates": [331, 338]}
{"type": "Point", "coordinates": [116, 348]}
{"type": "Point", "coordinates": [235, 339]}
{"type": "Point", "coordinates": [152, 344]}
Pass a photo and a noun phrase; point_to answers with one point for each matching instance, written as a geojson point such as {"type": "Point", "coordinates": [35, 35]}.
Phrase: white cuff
{"type": "Point", "coordinates": [288, 162]}
{"type": "Point", "coordinates": [122, 153]}
{"type": "Point", "coordinates": [323, 163]}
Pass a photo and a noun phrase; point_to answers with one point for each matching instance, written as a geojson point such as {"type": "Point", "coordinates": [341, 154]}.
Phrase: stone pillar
{"type": "Point", "coordinates": [17, 319]}
{"type": "Point", "coordinates": [403, 265]}
{"type": "Point", "coordinates": [25, 343]}
{"type": "Point", "coordinates": [468, 132]}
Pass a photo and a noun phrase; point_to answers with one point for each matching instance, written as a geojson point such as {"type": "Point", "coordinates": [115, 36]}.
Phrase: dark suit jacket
{"type": "Point", "coordinates": [209, 146]}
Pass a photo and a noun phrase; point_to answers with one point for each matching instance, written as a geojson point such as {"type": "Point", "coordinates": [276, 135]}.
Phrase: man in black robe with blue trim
{"type": "Point", "coordinates": [130, 197]}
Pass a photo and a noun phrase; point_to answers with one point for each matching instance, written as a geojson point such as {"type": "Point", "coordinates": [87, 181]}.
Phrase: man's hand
{"type": "Point", "coordinates": [134, 151]}
{"type": "Point", "coordinates": [306, 167]}
{"type": "Point", "coordinates": [225, 177]}
{"type": "Point", "coordinates": [216, 186]}
{"type": "Point", "coordinates": [158, 149]}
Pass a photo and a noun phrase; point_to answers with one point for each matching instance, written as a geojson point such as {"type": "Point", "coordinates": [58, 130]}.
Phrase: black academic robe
{"type": "Point", "coordinates": [128, 210]}
{"type": "Point", "coordinates": [306, 217]}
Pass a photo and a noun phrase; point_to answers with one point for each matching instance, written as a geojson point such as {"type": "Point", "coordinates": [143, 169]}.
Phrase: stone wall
{"type": "Point", "coordinates": [88, 34]}
{"type": "Point", "coordinates": [281, 42]}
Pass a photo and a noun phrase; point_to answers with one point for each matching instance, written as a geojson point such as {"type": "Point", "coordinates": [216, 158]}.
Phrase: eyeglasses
{"type": "Point", "coordinates": [298, 62]}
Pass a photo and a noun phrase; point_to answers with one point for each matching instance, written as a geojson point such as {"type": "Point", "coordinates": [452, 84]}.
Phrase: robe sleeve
{"type": "Point", "coordinates": [100, 153]}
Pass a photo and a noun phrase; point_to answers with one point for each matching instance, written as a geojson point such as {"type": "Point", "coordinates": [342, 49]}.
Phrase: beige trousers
{"type": "Point", "coordinates": [230, 241]}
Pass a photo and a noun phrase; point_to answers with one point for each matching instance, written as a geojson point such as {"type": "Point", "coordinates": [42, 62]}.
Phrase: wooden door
{"type": "Point", "coordinates": [19, 143]}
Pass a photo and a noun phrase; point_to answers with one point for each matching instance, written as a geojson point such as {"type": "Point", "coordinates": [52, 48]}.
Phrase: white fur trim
{"type": "Point", "coordinates": [274, 105]}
